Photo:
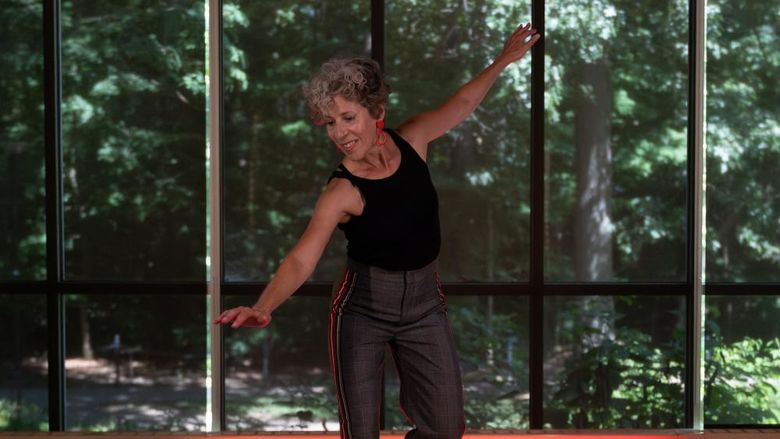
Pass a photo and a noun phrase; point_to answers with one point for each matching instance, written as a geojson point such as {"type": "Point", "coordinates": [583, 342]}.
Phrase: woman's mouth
{"type": "Point", "coordinates": [348, 145]}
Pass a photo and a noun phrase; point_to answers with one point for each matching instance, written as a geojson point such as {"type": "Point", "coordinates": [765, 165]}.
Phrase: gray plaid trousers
{"type": "Point", "coordinates": [405, 310]}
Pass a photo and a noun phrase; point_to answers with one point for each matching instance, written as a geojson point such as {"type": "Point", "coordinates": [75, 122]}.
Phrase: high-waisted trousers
{"type": "Point", "coordinates": [372, 308]}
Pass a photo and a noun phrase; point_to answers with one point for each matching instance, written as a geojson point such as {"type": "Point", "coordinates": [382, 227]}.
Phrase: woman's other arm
{"type": "Point", "coordinates": [337, 200]}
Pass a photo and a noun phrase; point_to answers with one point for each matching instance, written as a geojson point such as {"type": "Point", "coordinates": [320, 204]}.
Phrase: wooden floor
{"type": "Point", "coordinates": [673, 434]}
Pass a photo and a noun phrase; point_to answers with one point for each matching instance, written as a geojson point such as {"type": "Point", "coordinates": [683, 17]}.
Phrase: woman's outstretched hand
{"type": "Point", "coordinates": [244, 316]}
{"type": "Point", "coordinates": [516, 46]}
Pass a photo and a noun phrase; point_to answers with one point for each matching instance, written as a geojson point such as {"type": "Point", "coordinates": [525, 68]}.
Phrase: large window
{"type": "Point", "coordinates": [23, 364]}
{"type": "Point", "coordinates": [566, 210]}
{"type": "Point", "coordinates": [616, 195]}
{"type": "Point", "coordinates": [279, 378]}
{"type": "Point", "coordinates": [481, 171]}
{"type": "Point", "coordinates": [743, 142]}
{"type": "Point", "coordinates": [133, 137]}
{"type": "Point", "coordinates": [614, 362]}
{"type": "Point", "coordinates": [481, 168]}
{"type": "Point", "coordinates": [742, 362]}
{"type": "Point", "coordinates": [22, 189]}
{"type": "Point", "coordinates": [23, 323]}
{"type": "Point", "coordinates": [135, 362]}
{"type": "Point", "coordinates": [616, 96]}
{"type": "Point", "coordinates": [276, 162]}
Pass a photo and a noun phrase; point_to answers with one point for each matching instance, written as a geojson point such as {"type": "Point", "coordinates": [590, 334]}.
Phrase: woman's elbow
{"type": "Point", "coordinates": [301, 263]}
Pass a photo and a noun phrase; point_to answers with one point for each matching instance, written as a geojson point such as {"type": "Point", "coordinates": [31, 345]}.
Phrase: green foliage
{"type": "Point", "coordinates": [617, 362]}
{"type": "Point", "coordinates": [640, 55]}
{"type": "Point", "coordinates": [743, 141]}
{"type": "Point", "coordinates": [276, 161]}
{"type": "Point", "coordinates": [742, 360]}
{"type": "Point", "coordinates": [491, 336]}
{"type": "Point", "coordinates": [742, 381]}
{"type": "Point", "coordinates": [623, 383]}
{"type": "Point", "coordinates": [22, 188]}
{"type": "Point", "coordinates": [133, 136]}
{"type": "Point", "coordinates": [22, 417]}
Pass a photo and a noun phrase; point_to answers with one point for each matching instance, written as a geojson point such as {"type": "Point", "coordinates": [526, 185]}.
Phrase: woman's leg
{"type": "Point", "coordinates": [431, 389]}
{"type": "Point", "coordinates": [357, 346]}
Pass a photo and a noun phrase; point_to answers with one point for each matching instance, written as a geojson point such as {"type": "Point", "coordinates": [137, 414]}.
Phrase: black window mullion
{"type": "Point", "coordinates": [536, 269]}
{"type": "Point", "coordinates": [53, 153]}
{"type": "Point", "coordinates": [56, 370]}
{"type": "Point", "coordinates": [378, 55]}
{"type": "Point", "coordinates": [737, 289]}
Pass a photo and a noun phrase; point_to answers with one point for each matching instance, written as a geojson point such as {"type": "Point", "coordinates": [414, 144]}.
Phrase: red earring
{"type": "Point", "coordinates": [381, 137]}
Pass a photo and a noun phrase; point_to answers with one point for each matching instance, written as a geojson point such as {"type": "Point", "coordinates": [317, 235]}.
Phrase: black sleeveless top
{"type": "Point", "coordinates": [399, 226]}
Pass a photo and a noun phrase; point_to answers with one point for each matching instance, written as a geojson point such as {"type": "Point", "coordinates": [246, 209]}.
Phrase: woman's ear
{"type": "Point", "coordinates": [381, 112]}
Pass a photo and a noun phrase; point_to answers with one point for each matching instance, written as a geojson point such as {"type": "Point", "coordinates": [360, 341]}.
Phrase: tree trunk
{"type": "Point", "coordinates": [86, 336]}
{"type": "Point", "coordinates": [17, 358]}
{"type": "Point", "coordinates": [491, 273]}
{"type": "Point", "coordinates": [593, 225]}
{"type": "Point", "coordinates": [251, 201]}
{"type": "Point", "coordinates": [266, 347]}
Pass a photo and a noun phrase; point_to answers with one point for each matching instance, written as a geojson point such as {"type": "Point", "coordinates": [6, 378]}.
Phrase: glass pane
{"type": "Point", "coordinates": [481, 168]}
{"type": "Point", "coordinates": [22, 181]}
{"type": "Point", "coordinates": [133, 135]}
{"type": "Point", "coordinates": [742, 360]}
{"type": "Point", "coordinates": [135, 362]}
{"type": "Point", "coordinates": [24, 386]}
{"type": "Point", "coordinates": [491, 335]}
{"type": "Point", "coordinates": [614, 362]}
{"type": "Point", "coordinates": [276, 162]}
{"type": "Point", "coordinates": [743, 141]}
{"type": "Point", "coordinates": [279, 378]}
{"type": "Point", "coordinates": [616, 134]}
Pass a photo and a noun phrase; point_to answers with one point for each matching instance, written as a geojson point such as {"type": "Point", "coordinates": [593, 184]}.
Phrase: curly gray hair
{"type": "Point", "coordinates": [358, 80]}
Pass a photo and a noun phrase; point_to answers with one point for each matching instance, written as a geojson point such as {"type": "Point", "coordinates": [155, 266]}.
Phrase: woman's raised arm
{"type": "Point", "coordinates": [423, 128]}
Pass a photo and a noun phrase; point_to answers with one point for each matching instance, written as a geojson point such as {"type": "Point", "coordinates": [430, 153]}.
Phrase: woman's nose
{"type": "Point", "coordinates": [339, 131]}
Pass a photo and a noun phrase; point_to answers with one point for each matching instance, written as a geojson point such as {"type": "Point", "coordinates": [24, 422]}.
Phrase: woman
{"type": "Point", "coordinates": [382, 196]}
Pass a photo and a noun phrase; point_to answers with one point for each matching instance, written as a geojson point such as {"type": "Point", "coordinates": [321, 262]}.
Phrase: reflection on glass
{"type": "Point", "coordinates": [743, 141]}
{"type": "Point", "coordinates": [22, 187]}
{"type": "Point", "coordinates": [133, 136]}
{"type": "Point", "coordinates": [615, 140]}
{"type": "Point", "coordinates": [278, 378]}
{"type": "Point", "coordinates": [24, 388]}
{"type": "Point", "coordinates": [277, 162]}
{"type": "Point", "coordinates": [135, 362]}
{"type": "Point", "coordinates": [614, 362]}
{"type": "Point", "coordinates": [742, 360]}
{"type": "Point", "coordinates": [481, 168]}
{"type": "Point", "coordinates": [491, 336]}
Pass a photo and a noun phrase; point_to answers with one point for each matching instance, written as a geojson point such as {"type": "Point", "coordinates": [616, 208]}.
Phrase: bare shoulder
{"type": "Point", "coordinates": [341, 197]}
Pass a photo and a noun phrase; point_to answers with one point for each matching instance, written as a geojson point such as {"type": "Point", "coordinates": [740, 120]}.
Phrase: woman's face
{"type": "Point", "coordinates": [351, 127]}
